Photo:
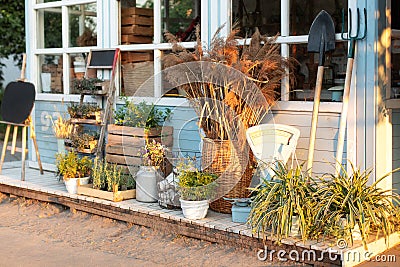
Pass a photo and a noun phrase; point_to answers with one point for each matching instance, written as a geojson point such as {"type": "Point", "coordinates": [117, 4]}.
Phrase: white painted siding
{"type": "Point", "coordinates": [396, 148]}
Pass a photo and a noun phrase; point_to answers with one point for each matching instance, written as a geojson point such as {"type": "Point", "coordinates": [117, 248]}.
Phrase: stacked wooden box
{"type": "Point", "coordinates": [124, 143]}
{"type": "Point", "coordinates": [136, 25]}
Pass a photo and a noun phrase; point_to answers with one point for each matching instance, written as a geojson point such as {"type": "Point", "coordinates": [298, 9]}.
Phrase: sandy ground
{"type": "Point", "coordinates": [34, 233]}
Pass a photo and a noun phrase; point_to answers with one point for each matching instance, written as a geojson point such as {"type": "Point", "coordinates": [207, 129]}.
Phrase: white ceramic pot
{"type": "Point", "coordinates": [194, 210]}
{"type": "Point", "coordinates": [72, 184]}
{"type": "Point", "coordinates": [146, 184]}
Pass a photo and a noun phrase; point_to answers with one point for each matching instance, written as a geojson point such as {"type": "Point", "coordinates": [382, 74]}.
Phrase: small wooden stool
{"type": "Point", "coordinates": [28, 123]}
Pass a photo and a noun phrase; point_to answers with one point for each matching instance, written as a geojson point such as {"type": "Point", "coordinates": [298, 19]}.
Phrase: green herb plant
{"type": "Point", "coordinates": [141, 115]}
{"type": "Point", "coordinates": [107, 176]}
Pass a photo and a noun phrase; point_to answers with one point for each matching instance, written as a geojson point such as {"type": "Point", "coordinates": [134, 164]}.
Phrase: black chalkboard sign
{"type": "Point", "coordinates": [101, 59]}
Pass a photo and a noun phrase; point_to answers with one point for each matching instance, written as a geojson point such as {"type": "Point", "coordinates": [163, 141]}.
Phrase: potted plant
{"type": "Point", "coordinates": [73, 170]}
{"type": "Point", "coordinates": [84, 142]}
{"type": "Point", "coordinates": [153, 155]}
{"type": "Point", "coordinates": [283, 205]}
{"type": "Point", "coordinates": [89, 86]}
{"type": "Point", "coordinates": [196, 188]}
{"type": "Point", "coordinates": [84, 111]}
{"type": "Point", "coordinates": [348, 204]}
{"type": "Point", "coordinates": [109, 182]}
{"type": "Point", "coordinates": [62, 129]}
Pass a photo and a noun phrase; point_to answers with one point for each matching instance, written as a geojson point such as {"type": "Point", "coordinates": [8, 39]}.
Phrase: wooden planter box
{"type": "Point", "coordinates": [117, 196]}
{"type": "Point", "coordinates": [124, 142]}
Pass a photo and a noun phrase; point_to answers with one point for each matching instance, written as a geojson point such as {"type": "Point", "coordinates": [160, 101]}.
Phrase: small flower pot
{"type": "Point", "coordinates": [72, 184]}
{"type": "Point", "coordinates": [194, 210]}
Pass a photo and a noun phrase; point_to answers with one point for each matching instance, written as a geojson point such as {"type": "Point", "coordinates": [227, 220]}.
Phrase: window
{"type": "Point", "coordinates": [142, 41]}
{"type": "Point", "coordinates": [65, 32]}
{"type": "Point", "coordinates": [291, 20]}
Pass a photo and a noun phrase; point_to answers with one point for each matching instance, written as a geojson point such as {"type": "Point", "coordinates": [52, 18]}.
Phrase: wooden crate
{"type": "Point", "coordinates": [137, 78]}
{"type": "Point", "coordinates": [124, 143]}
{"type": "Point", "coordinates": [132, 57]}
{"type": "Point", "coordinates": [117, 196]}
{"type": "Point", "coordinates": [137, 25]}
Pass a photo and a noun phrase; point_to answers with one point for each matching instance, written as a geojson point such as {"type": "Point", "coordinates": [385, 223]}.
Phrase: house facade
{"type": "Point", "coordinates": [60, 34]}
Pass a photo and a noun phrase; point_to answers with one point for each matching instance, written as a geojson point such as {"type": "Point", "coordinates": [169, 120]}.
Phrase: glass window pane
{"type": "Point", "coordinates": [137, 22]}
{"type": "Point", "coordinates": [249, 14]}
{"type": "Point", "coordinates": [303, 13]}
{"type": "Point", "coordinates": [180, 17]}
{"type": "Point", "coordinates": [305, 76]}
{"type": "Point", "coordinates": [52, 32]}
{"type": "Point", "coordinates": [51, 75]}
{"type": "Point", "coordinates": [83, 25]}
{"type": "Point", "coordinates": [137, 73]}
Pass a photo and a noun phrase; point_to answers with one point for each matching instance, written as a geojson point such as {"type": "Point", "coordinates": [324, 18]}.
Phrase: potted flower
{"type": "Point", "coordinates": [73, 170]}
{"type": "Point", "coordinates": [196, 188]}
{"type": "Point", "coordinates": [146, 180]}
{"type": "Point", "coordinates": [89, 86]}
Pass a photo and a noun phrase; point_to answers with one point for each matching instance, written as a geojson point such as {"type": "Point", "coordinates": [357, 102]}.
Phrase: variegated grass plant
{"type": "Point", "coordinates": [346, 200]}
{"type": "Point", "coordinates": [278, 200]}
{"type": "Point", "coordinates": [62, 128]}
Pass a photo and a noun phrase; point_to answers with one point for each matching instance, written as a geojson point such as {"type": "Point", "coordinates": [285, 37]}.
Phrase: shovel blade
{"type": "Point", "coordinates": [321, 37]}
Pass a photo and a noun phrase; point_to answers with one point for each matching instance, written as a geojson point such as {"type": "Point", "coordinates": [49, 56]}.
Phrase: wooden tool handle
{"type": "Point", "coordinates": [343, 117]}
{"type": "Point", "coordinates": [313, 130]}
{"type": "Point", "coordinates": [23, 67]}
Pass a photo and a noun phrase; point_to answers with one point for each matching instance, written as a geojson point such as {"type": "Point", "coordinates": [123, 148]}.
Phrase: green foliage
{"type": "Point", "coordinates": [196, 185]}
{"type": "Point", "coordinates": [348, 197]}
{"type": "Point", "coordinates": [12, 31]}
{"type": "Point", "coordinates": [83, 111]}
{"type": "Point", "coordinates": [106, 176]}
{"type": "Point", "coordinates": [140, 115]}
{"type": "Point", "coordinates": [85, 84]}
{"type": "Point", "coordinates": [86, 140]}
{"type": "Point", "coordinates": [71, 166]}
{"type": "Point", "coordinates": [276, 201]}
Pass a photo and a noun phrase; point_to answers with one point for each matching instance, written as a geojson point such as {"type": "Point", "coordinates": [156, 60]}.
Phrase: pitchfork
{"type": "Point", "coordinates": [347, 84]}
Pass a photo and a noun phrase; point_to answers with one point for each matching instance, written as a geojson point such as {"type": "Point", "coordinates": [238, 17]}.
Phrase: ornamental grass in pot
{"type": "Point", "coordinates": [348, 204]}
{"type": "Point", "coordinates": [231, 87]}
{"type": "Point", "coordinates": [74, 170]}
{"type": "Point", "coordinates": [196, 188]}
{"type": "Point", "coordinates": [283, 206]}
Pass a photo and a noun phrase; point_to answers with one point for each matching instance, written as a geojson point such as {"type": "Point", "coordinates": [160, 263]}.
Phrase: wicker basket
{"type": "Point", "coordinates": [233, 164]}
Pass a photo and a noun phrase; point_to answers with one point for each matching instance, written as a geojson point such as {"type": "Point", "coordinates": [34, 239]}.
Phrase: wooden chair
{"type": "Point", "coordinates": [16, 108]}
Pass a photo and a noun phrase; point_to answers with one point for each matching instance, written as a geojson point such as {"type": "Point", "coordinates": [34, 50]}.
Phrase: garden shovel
{"type": "Point", "coordinates": [321, 39]}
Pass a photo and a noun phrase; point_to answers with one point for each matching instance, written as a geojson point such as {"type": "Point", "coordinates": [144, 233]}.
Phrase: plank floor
{"type": "Point", "coordinates": [215, 222]}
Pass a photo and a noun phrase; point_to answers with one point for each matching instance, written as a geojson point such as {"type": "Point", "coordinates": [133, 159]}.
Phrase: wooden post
{"type": "Point", "coordinates": [3, 153]}
{"type": "Point", "coordinates": [23, 153]}
{"type": "Point", "coordinates": [14, 140]}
